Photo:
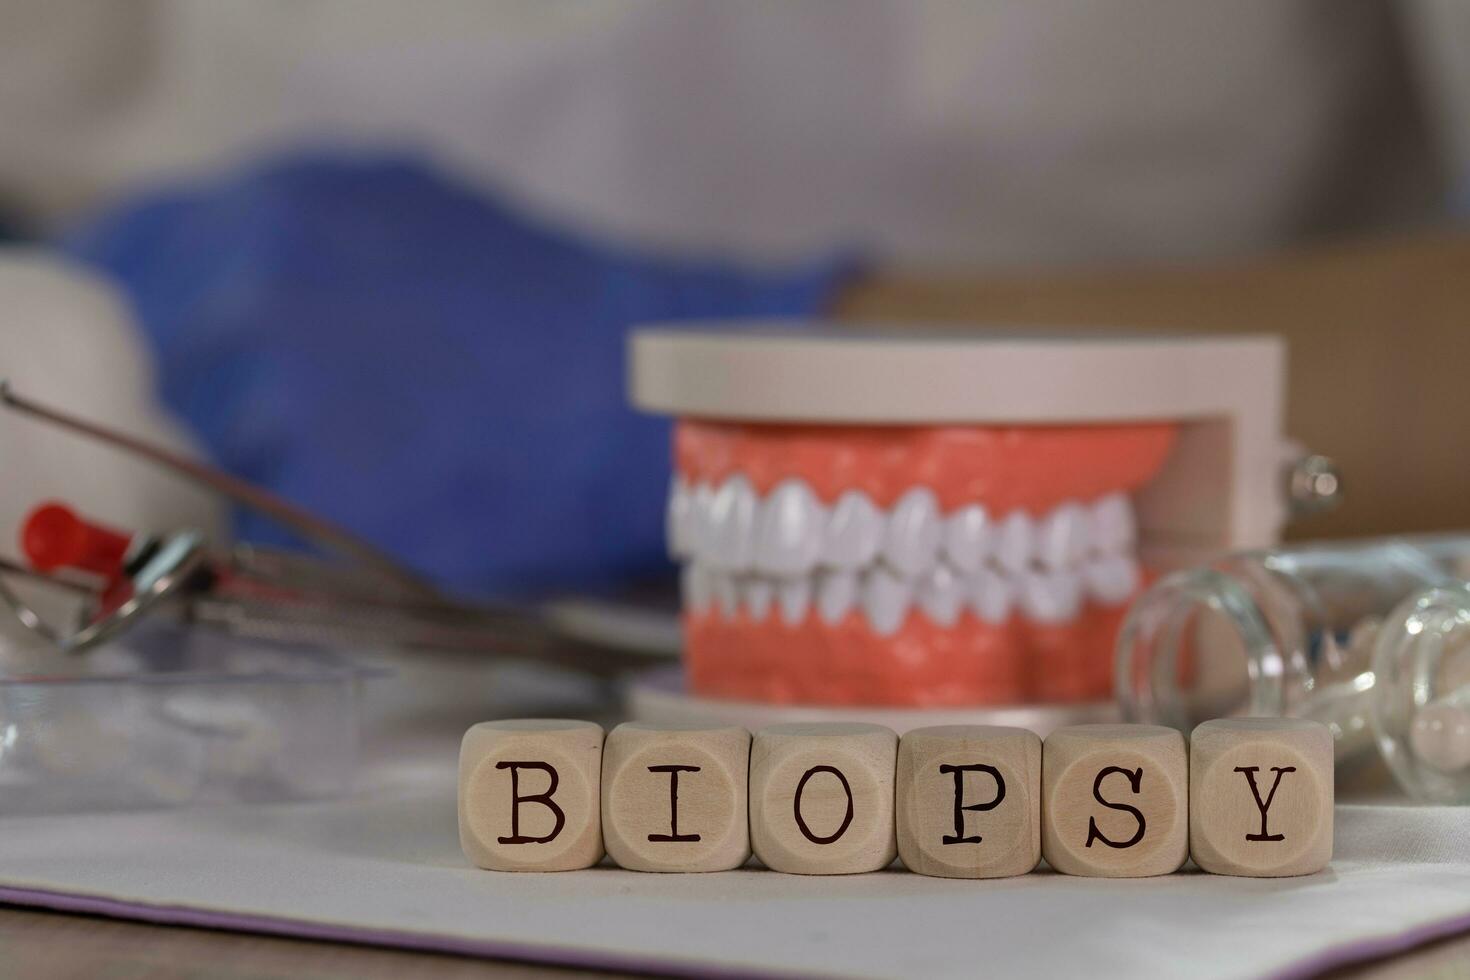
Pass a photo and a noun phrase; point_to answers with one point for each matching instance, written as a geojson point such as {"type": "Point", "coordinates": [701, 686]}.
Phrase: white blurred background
{"type": "Point", "coordinates": [1004, 134]}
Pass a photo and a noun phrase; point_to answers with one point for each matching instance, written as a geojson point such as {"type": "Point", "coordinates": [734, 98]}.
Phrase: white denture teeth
{"type": "Point", "coordinates": [1061, 537]}
{"type": "Point", "coordinates": [1111, 525]}
{"type": "Point", "coordinates": [853, 533]}
{"type": "Point", "coordinates": [794, 595]}
{"type": "Point", "coordinates": [756, 595]}
{"type": "Point", "coordinates": [730, 525]}
{"type": "Point", "coordinates": [911, 539]}
{"type": "Point", "coordinates": [967, 538]}
{"type": "Point", "coordinates": [1015, 542]}
{"type": "Point", "coordinates": [787, 550]}
{"type": "Point", "coordinates": [885, 599]}
{"type": "Point", "coordinates": [679, 521]}
{"type": "Point", "coordinates": [726, 592]}
{"type": "Point", "coordinates": [1051, 596]}
{"type": "Point", "coordinates": [992, 595]}
{"type": "Point", "coordinates": [837, 593]}
{"type": "Point", "coordinates": [694, 588]}
{"type": "Point", "coordinates": [789, 530]}
{"type": "Point", "coordinates": [1111, 579]}
{"type": "Point", "coordinates": [941, 594]}
{"type": "Point", "coordinates": [701, 499]}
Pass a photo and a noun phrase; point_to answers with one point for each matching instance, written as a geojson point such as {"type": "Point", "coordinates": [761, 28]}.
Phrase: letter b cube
{"type": "Point", "coordinates": [1115, 800]}
{"type": "Point", "coordinates": [1260, 796]}
{"type": "Point", "coordinates": [529, 795]}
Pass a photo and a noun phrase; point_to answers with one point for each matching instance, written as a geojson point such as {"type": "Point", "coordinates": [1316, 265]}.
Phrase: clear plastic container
{"type": "Point", "coordinates": [1371, 638]}
{"type": "Point", "coordinates": [171, 716]}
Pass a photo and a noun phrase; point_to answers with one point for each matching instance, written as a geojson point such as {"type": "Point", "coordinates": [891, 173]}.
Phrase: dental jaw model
{"type": "Point", "coordinates": [888, 519]}
{"type": "Point", "coordinates": [933, 565]}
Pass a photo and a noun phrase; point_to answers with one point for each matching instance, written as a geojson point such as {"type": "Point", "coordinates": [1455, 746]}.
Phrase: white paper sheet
{"type": "Point", "coordinates": [386, 867]}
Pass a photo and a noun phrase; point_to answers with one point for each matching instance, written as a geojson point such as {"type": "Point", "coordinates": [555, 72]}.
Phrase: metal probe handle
{"type": "Point", "coordinates": [309, 526]}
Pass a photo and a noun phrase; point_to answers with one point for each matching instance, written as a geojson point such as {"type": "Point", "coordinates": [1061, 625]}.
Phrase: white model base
{"type": "Point", "coordinates": [1219, 490]}
{"type": "Point", "coordinates": [659, 696]}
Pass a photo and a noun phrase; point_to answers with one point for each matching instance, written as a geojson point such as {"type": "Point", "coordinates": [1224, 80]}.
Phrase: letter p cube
{"type": "Point", "coordinates": [968, 801]}
{"type": "Point", "coordinates": [529, 795]}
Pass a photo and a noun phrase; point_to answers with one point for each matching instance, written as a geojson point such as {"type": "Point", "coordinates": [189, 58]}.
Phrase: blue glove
{"type": "Point", "coordinates": [421, 364]}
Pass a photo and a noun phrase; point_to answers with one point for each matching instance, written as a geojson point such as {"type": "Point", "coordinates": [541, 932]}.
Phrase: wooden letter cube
{"type": "Point", "coordinates": [529, 795]}
{"type": "Point", "coordinates": [1260, 796]}
{"type": "Point", "coordinates": [969, 801]}
{"type": "Point", "coordinates": [821, 797]}
{"type": "Point", "coordinates": [1115, 800]}
{"type": "Point", "coordinates": [674, 797]}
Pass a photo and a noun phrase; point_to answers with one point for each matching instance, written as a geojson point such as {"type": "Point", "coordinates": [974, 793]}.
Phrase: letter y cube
{"type": "Point", "coordinates": [1260, 796]}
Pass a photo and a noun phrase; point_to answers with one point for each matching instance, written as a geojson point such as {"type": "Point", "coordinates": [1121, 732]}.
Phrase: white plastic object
{"type": "Point", "coordinates": [659, 695]}
{"type": "Point", "coordinates": [67, 334]}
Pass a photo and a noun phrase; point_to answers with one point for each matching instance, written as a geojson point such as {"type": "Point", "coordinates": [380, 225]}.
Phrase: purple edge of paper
{"type": "Point", "coordinates": [1377, 947]}
{"type": "Point", "coordinates": [1333, 957]}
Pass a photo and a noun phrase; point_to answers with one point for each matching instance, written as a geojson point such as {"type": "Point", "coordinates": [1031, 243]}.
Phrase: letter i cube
{"type": "Point", "coordinates": [674, 797]}
{"type": "Point", "coordinates": [529, 795]}
{"type": "Point", "coordinates": [1115, 800]}
{"type": "Point", "coordinates": [968, 801]}
{"type": "Point", "coordinates": [1261, 796]}
{"type": "Point", "coordinates": [821, 797]}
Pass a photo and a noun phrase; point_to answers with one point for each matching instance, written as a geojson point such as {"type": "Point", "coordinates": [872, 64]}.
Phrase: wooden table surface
{"type": "Point", "coordinates": [51, 944]}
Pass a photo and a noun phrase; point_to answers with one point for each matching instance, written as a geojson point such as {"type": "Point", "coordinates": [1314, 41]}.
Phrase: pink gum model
{"type": "Point", "coordinates": [907, 565]}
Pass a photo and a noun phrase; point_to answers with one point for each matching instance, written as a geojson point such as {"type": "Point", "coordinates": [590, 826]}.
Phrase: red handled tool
{"type": "Point", "coordinates": [363, 599]}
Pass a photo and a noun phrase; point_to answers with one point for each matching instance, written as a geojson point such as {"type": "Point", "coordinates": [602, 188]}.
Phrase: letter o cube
{"type": "Point", "coordinates": [1261, 796]}
{"type": "Point", "coordinates": [821, 797]}
{"type": "Point", "coordinates": [1115, 800]}
{"type": "Point", "coordinates": [529, 794]}
{"type": "Point", "coordinates": [674, 797]}
{"type": "Point", "coordinates": [969, 801]}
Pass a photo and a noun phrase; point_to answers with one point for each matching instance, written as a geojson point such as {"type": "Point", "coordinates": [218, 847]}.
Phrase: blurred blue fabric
{"type": "Point", "coordinates": [420, 363]}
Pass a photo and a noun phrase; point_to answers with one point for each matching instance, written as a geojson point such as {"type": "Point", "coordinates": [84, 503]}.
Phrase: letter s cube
{"type": "Point", "coordinates": [529, 794]}
{"type": "Point", "coordinates": [1261, 796]}
{"type": "Point", "coordinates": [1115, 800]}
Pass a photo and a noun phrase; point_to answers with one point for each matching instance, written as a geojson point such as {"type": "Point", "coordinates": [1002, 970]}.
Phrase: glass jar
{"type": "Point", "coordinates": [1371, 638]}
